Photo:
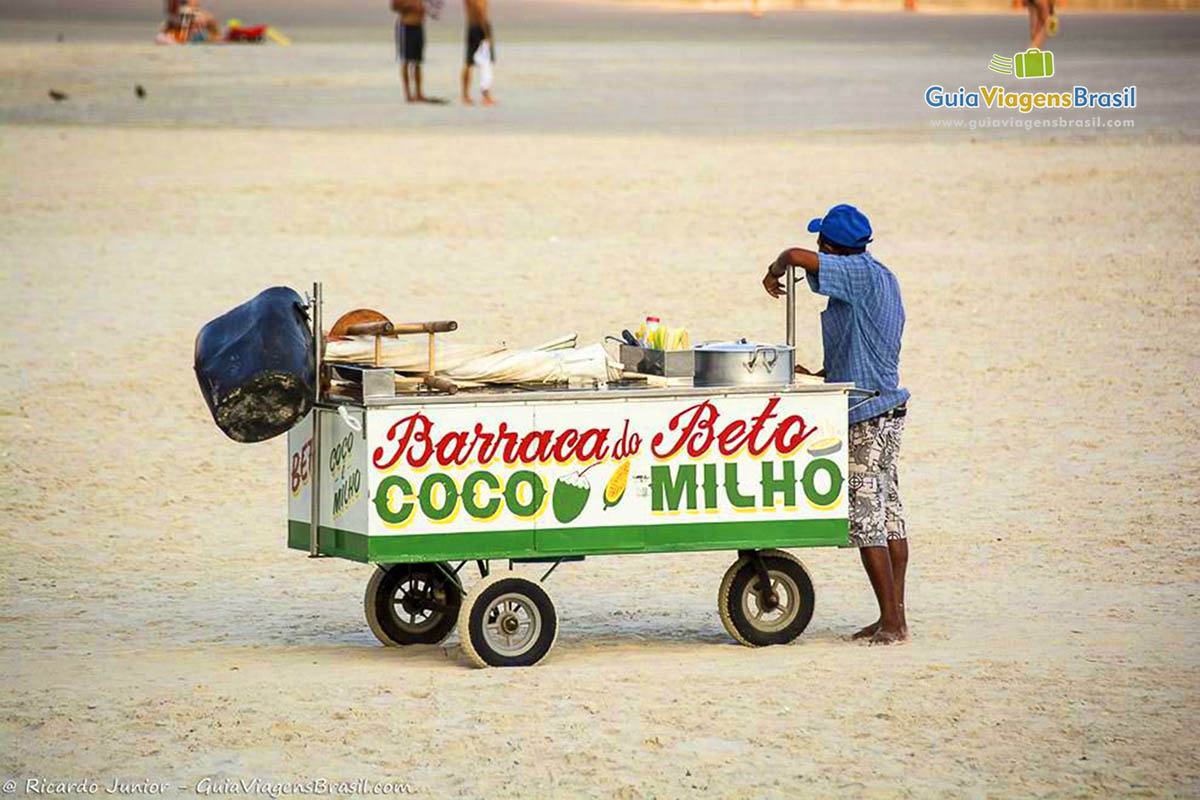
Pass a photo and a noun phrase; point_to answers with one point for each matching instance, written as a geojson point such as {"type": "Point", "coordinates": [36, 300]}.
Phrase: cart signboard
{"type": "Point", "coordinates": [519, 479]}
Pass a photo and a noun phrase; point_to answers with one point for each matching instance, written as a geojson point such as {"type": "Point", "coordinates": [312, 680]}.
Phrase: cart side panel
{"type": "Point", "coordinates": [299, 476]}
{"type": "Point", "coordinates": [342, 485]}
{"type": "Point", "coordinates": [614, 475]}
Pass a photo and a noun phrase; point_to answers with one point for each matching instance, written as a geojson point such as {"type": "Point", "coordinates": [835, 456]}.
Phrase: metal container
{"type": "Point", "coordinates": [362, 382]}
{"type": "Point", "coordinates": [744, 364]}
{"type": "Point", "coordinates": [648, 361]}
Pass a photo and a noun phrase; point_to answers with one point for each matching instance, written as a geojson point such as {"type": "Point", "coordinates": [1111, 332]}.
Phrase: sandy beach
{"type": "Point", "coordinates": [156, 626]}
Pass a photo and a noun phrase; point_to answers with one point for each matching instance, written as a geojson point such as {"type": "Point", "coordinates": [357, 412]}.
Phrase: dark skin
{"type": "Point", "coordinates": [477, 14]}
{"type": "Point", "coordinates": [412, 12]}
{"type": "Point", "coordinates": [885, 566]}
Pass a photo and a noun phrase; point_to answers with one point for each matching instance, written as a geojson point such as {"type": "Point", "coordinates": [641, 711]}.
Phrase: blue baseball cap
{"type": "Point", "coordinates": [844, 225]}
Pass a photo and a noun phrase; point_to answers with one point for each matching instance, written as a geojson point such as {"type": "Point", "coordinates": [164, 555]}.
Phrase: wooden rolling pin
{"type": "Point", "coordinates": [386, 328]}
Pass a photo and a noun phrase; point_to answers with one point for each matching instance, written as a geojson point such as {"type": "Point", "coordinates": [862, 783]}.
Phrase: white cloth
{"type": "Point", "coordinates": [483, 60]}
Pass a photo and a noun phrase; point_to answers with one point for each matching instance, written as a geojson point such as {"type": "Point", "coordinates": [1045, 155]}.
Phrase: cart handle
{"type": "Point", "coordinates": [871, 394]}
{"type": "Point", "coordinates": [768, 363]}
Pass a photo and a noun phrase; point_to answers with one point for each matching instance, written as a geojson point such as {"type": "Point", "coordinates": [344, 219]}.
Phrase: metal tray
{"type": "Point", "coordinates": [668, 363]}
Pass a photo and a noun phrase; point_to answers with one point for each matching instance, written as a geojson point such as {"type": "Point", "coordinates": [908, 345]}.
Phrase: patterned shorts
{"type": "Point", "coordinates": [876, 513]}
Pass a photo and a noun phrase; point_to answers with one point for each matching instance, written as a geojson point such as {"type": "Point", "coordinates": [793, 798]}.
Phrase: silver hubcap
{"type": "Point", "coordinates": [511, 624]}
{"type": "Point", "coordinates": [787, 596]}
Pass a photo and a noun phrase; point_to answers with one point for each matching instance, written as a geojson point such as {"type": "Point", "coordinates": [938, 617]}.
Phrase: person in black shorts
{"type": "Point", "coordinates": [410, 47]}
{"type": "Point", "coordinates": [481, 52]}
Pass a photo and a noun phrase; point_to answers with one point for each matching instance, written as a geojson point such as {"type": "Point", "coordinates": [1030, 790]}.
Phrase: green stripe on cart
{"type": "Point", "coordinates": [334, 541]}
{"type": "Point", "coordinates": [669, 538]}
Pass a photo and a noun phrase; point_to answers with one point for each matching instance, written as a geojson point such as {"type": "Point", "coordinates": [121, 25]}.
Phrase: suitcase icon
{"type": "Point", "coordinates": [1033, 63]}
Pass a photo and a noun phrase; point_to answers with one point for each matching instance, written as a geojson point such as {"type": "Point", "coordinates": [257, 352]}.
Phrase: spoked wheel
{"type": "Point", "coordinates": [411, 604]}
{"type": "Point", "coordinates": [756, 615]}
{"type": "Point", "coordinates": [507, 621]}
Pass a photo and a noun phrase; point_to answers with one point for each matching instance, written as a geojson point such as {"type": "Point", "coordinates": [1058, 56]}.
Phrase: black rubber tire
{"type": "Point", "coordinates": [388, 626]}
{"type": "Point", "coordinates": [722, 603]}
{"type": "Point", "coordinates": [744, 580]}
{"type": "Point", "coordinates": [471, 621]}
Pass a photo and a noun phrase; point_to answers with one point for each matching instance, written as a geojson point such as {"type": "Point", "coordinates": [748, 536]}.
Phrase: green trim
{"type": "Point", "coordinates": [334, 541]}
{"type": "Point", "coordinates": [677, 537]}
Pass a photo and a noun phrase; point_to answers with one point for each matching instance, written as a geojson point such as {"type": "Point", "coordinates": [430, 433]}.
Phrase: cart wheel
{"type": "Point", "coordinates": [743, 610]}
{"type": "Point", "coordinates": [411, 604]}
{"type": "Point", "coordinates": [507, 621]}
{"type": "Point", "coordinates": [723, 592]}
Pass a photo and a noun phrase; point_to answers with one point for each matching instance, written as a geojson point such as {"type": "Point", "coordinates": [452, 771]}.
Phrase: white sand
{"type": "Point", "coordinates": [155, 625]}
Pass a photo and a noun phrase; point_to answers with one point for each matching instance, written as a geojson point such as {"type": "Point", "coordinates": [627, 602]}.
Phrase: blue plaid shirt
{"type": "Point", "coordinates": [861, 329]}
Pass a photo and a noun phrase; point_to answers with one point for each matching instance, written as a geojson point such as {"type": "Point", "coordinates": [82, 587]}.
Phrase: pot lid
{"type": "Point", "coordinates": [740, 346]}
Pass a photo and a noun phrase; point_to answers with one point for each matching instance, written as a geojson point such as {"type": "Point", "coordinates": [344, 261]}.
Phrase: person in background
{"type": "Point", "coordinates": [187, 20]}
{"type": "Point", "coordinates": [481, 51]}
{"type": "Point", "coordinates": [410, 47]}
{"type": "Point", "coordinates": [1042, 21]}
{"type": "Point", "coordinates": [861, 330]}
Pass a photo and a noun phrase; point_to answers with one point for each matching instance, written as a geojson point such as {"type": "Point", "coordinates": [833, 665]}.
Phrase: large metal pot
{"type": "Point", "coordinates": [744, 364]}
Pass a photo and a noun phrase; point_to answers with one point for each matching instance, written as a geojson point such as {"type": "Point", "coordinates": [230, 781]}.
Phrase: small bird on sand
{"type": "Point", "coordinates": [140, 91]}
{"type": "Point", "coordinates": [58, 96]}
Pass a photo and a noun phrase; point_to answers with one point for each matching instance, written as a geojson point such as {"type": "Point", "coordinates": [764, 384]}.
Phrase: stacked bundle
{"type": "Point", "coordinates": [556, 361]}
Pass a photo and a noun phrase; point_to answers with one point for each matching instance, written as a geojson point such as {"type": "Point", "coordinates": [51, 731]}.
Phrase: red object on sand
{"type": "Point", "coordinates": [239, 33]}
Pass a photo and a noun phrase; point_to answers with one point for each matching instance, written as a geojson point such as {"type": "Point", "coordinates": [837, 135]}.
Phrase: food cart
{"type": "Point", "coordinates": [422, 484]}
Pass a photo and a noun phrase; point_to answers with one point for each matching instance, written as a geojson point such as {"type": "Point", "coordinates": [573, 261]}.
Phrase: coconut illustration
{"type": "Point", "coordinates": [571, 493]}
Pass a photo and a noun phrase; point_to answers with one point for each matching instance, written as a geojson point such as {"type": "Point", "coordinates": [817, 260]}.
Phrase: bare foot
{"type": "Point", "coordinates": [867, 632]}
{"type": "Point", "coordinates": [885, 636]}
{"type": "Point", "coordinates": [488, 100]}
{"type": "Point", "coordinates": [468, 101]}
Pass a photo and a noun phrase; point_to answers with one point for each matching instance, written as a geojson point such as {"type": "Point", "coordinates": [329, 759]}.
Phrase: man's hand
{"type": "Point", "coordinates": [792, 257]}
{"type": "Point", "coordinates": [771, 281]}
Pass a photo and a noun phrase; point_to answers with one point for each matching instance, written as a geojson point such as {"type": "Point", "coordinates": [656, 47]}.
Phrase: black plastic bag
{"type": "Point", "coordinates": [255, 366]}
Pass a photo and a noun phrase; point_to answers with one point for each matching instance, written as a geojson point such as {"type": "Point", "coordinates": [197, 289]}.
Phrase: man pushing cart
{"type": "Point", "coordinates": [421, 477]}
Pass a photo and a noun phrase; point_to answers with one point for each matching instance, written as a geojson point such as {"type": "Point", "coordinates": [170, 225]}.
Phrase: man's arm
{"type": "Point", "coordinates": [792, 257]}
